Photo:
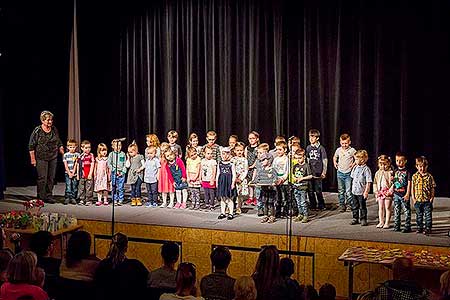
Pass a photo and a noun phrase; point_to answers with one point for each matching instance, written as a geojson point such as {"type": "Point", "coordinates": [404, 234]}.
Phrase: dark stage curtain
{"type": "Point", "coordinates": [374, 69]}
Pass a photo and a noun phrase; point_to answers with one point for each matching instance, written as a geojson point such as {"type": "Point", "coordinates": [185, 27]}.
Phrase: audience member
{"type": "Point", "coordinates": [267, 274]}
{"type": "Point", "coordinates": [78, 263]}
{"type": "Point", "coordinates": [402, 285]}
{"type": "Point", "coordinates": [290, 286]}
{"type": "Point", "coordinates": [165, 276]}
{"type": "Point", "coordinates": [308, 292]}
{"type": "Point", "coordinates": [367, 296]}
{"type": "Point", "coordinates": [218, 285]}
{"type": "Point", "coordinates": [245, 289]}
{"type": "Point", "coordinates": [118, 277]}
{"type": "Point", "coordinates": [186, 284]}
{"type": "Point", "coordinates": [327, 292]}
{"type": "Point", "coordinates": [24, 278]}
{"type": "Point", "coordinates": [41, 243]}
{"type": "Point", "coordinates": [5, 257]}
{"type": "Point", "coordinates": [445, 286]}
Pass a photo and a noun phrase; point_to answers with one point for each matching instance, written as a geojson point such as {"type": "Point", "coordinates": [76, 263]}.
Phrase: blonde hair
{"type": "Point", "coordinates": [22, 268]}
{"type": "Point", "coordinates": [154, 140]}
{"type": "Point", "coordinates": [164, 147]}
{"type": "Point", "coordinates": [362, 154]}
{"type": "Point", "coordinates": [245, 288]}
{"type": "Point", "coordinates": [134, 146]}
{"type": "Point", "coordinates": [85, 142]}
{"type": "Point", "coordinates": [191, 137]}
{"type": "Point", "coordinates": [170, 155]}
{"type": "Point", "coordinates": [45, 115]}
{"type": "Point", "coordinates": [211, 133]}
{"type": "Point", "coordinates": [264, 146]}
{"type": "Point", "coordinates": [281, 144]}
{"type": "Point", "coordinates": [100, 148]}
{"type": "Point", "coordinates": [384, 160]}
{"type": "Point", "coordinates": [279, 138]}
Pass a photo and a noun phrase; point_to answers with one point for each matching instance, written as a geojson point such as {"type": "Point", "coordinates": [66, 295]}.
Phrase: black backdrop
{"type": "Point", "coordinates": [375, 69]}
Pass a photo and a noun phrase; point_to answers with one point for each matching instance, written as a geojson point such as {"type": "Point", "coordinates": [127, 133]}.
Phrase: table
{"type": "Point", "coordinates": [421, 259]}
{"type": "Point", "coordinates": [61, 234]}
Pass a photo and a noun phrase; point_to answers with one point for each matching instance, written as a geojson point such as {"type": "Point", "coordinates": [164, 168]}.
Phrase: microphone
{"type": "Point", "coordinates": [119, 140]}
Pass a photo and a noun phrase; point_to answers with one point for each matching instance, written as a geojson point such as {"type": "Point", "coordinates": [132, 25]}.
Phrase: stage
{"type": "Point", "coordinates": [323, 224]}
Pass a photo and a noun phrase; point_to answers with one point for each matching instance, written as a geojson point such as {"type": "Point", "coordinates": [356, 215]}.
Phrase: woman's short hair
{"type": "Point", "coordinates": [45, 115]}
{"type": "Point", "coordinates": [245, 288]}
{"type": "Point", "coordinates": [22, 268]}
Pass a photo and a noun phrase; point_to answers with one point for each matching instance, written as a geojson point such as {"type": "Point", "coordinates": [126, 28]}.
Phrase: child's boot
{"type": "Point", "coordinates": [138, 202]}
{"type": "Point", "coordinates": [133, 201]}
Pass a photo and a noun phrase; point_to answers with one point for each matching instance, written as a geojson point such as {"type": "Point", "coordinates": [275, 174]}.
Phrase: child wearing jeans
{"type": "Point", "coordinates": [361, 180]}
{"type": "Point", "coordinates": [402, 192]}
{"type": "Point", "coordinates": [265, 177]}
{"type": "Point", "coordinates": [300, 177]}
{"type": "Point", "coordinates": [85, 174]}
{"type": "Point", "coordinates": [116, 163]}
{"type": "Point", "coordinates": [344, 161]}
{"type": "Point", "coordinates": [317, 159]}
{"type": "Point", "coordinates": [422, 195]}
{"type": "Point", "coordinates": [70, 159]}
{"type": "Point", "coordinates": [209, 168]}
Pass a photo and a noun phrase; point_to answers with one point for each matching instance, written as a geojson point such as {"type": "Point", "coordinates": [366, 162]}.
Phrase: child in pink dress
{"type": "Point", "coordinates": [101, 175]}
{"type": "Point", "coordinates": [165, 181]}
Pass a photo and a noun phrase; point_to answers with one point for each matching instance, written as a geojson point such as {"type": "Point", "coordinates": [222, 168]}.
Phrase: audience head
{"type": "Point", "coordinates": [286, 267]}
{"type": "Point", "coordinates": [41, 243]}
{"type": "Point", "coordinates": [170, 252]}
{"type": "Point", "coordinates": [327, 292]}
{"type": "Point", "coordinates": [186, 279]}
{"type": "Point", "coordinates": [245, 289]}
{"type": "Point", "coordinates": [402, 269]}
{"type": "Point", "coordinates": [308, 292]}
{"type": "Point", "coordinates": [117, 249]}
{"type": "Point", "coordinates": [220, 258]}
{"type": "Point", "coordinates": [370, 295]}
{"type": "Point", "coordinates": [267, 268]}
{"type": "Point", "coordinates": [5, 257]}
{"type": "Point", "coordinates": [78, 247]}
{"type": "Point", "coordinates": [22, 269]}
{"type": "Point", "coordinates": [445, 284]}
{"type": "Point", "coordinates": [2, 238]}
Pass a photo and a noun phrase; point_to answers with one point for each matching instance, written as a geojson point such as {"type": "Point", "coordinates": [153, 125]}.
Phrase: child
{"type": "Point", "coordinates": [292, 140]}
{"type": "Point", "coordinates": [178, 171]}
{"type": "Point", "coordinates": [281, 166]}
{"type": "Point", "coordinates": [116, 163]}
{"type": "Point", "coordinates": [70, 159]}
{"type": "Point", "coordinates": [422, 195]}
{"type": "Point", "coordinates": [278, 139]}
{"type": "Point", "coordinates": [241, 167]}
{"type": "Point", "coordinates": [209, 167]}
{"type": "Point", "coordinates": [262, 150]}
{"type": "Point", "coordinates": [84, 174]}
{"type": "Point", "coordinates": [172, 137]}
{"type": "Point", "coordinates": [344, 161]}
{"type": "Point", "coordinates": [265, 177]}
{"type": "Point", "coordinates": [152, 140]}
{"type": "Point", "coordinates": [251, 155]}
{"type": "Point", "coordinates": [361, 180]}
{"type": "Point", "coordinates": [317, 159]}
{"type": "Point", "coordinates": [211, 138]}
{"type": "Point", "coordinates": [382, 188]}
{"type": "Point", "coordinates": [136, 164]}
{"type": "Point", "coordinates": [194, 165]}
{"type": "Point", "coordinates": [101, 175]}
{"type": "Point", "coordinates": [151, 174]}
{"type": "Point", "coordinates": [225, 178]}
{"type": "Point", "coordinates": [402, 191]}
{"type": "Point", "coordinates": [232, 141]}
{"type": "Point", "coordinates": [165, 180]}
{"type": "Point", "coordinates": [300, 177]}
{"type": "Point", "coordinates": [193, 142]}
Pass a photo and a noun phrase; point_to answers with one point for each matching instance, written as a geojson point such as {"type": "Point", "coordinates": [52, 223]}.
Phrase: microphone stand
{"type": "Point", "coordinates": [116, 158]}
{"type": "Point", "coordinates": [289, 202]}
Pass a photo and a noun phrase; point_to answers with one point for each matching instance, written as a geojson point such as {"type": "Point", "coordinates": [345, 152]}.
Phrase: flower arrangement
{"type": "Point", "coordinates": [33, 203]}
{"type": "Point", "coordinates": [16, 219]}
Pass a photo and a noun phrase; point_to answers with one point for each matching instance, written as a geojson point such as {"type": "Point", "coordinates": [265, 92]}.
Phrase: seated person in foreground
{"type": "Point", "coordinates": [218, 285]}
{"type": "Point", "coordinates": [186, 284]}
{"type": "Point", "coordinates": [165, 276]}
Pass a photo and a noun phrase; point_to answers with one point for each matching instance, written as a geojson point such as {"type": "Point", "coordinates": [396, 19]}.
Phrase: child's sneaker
{"type": "Point", "coordinates": [120, 203]}
{"type": "Point", "coordinates": [138, 202]}
{"type": "Point", "coordinates": [163, 205]}
{"type": "Point", "coordinates": [406, 230]}
{"type": "Point", "coordinates": [264, 219]}
{"type": "Point", "coordinates": [106, 202]}
{"type": "Point", "coordinates": [178, 205]}
{"type": "Point", "coordinates": [249, 201]}
{"type": "Point", "coordinates": [148, 204]}
{"type": "Point", "coordinates": [427, 231]}
{"type": "Point", "coordinates": [305, 219]}
{"type": "Point", "coordinates": [88, 203]}
{"type": "Point", "coordinates": [221, 216]}
{"type": "Point", "coordinates": [298, 218]}
{"type": "Point", "coordinates": [260, 212]}
{"type": "Point", "coordinates": [354, 222]}
{"type": "Point", "coordinates": [81, 202]}
{"type": "Point", "coordinates": [255, 202]}
{"type": "Point", "coordinates": [98, 203]}
{"type": "Point", "coordinates": [183, 206]}
{"type": "Point", "coordinates": [364, 222]}
{"type": "Point", "coordinates": [272, 219]}
{"type": "Point", "coordinates": [238, 211]}
{"type": "Point", "coordinates": [230, 217]}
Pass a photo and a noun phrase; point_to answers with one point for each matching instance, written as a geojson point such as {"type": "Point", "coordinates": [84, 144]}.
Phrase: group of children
{"type": "Point", "coordinates": [252, 174]}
